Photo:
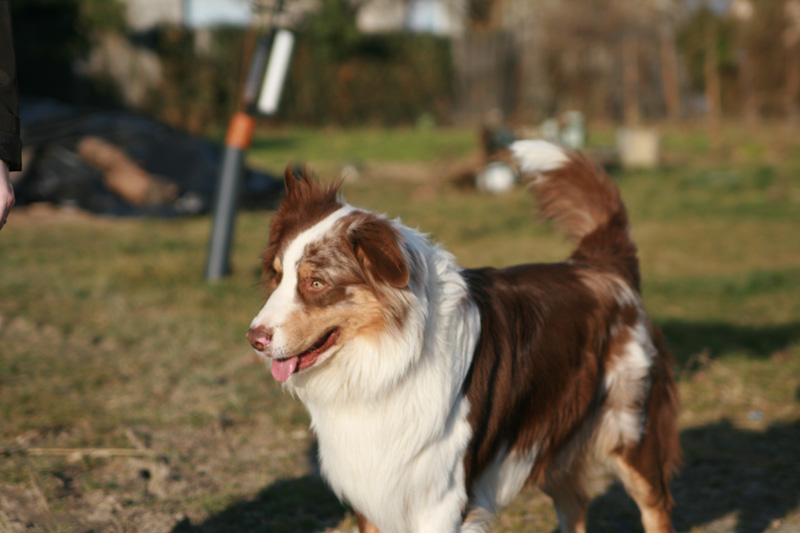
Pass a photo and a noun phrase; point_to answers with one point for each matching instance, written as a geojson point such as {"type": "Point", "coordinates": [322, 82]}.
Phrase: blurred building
{"type": "Point", "coordinates": [203, 13]}
{"type": "Point", "coordinates": [438, 17]}
{"type": "Point", "coordinates": [144, 14]}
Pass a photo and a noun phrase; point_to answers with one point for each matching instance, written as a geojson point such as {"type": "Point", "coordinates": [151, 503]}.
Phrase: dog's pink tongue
{"type": "Point", "coordinates": [283, 368]}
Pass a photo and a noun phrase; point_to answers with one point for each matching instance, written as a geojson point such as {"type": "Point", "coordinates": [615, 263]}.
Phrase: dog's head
{"type": "Point", "coordinates": [335, 274]}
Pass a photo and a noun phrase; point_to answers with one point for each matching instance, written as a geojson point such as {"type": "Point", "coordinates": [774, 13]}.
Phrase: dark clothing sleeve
{"type": "Point", "coordinates": [10, 143]}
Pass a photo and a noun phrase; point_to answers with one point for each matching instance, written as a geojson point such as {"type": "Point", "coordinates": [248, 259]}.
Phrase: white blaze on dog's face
{"type": "Point", "coordinates": [329, 265]}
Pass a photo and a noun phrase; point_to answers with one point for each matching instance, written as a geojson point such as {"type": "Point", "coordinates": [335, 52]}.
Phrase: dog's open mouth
{"type": "Point", "coordinates": [283, 368]}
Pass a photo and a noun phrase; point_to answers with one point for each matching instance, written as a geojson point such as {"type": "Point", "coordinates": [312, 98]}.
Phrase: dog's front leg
{"type": "Point", "coordinates": [364, 525]}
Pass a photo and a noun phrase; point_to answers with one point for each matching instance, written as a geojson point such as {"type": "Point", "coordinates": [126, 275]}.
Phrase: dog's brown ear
{"type": "Point", "coordinates": [377, 247]}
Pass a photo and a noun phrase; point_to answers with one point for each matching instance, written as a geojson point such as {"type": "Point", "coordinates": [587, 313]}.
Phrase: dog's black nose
{"type": "Point", "coordinates": [259, 338]}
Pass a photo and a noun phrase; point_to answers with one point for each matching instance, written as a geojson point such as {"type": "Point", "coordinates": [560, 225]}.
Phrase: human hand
{"type": "Point", "coordinates": [6, 193]}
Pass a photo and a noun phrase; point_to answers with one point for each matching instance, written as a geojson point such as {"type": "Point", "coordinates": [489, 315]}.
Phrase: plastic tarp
{"type": "Point", "coordinates": [184, 168]}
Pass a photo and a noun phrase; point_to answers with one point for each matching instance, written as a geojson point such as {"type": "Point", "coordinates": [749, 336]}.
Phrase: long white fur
{"type": "Point", "coordinates": [538, 156]}
{"type": "Point", "coordinates": [625, 384]}
{"type": "Point", "coordinates": [388, 412]}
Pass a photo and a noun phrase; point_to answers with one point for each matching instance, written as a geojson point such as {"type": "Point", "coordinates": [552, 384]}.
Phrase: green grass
{"type": "Point", "coordinates": [277, 148]}
{"type": "Point", "coordinates": [110, 338]}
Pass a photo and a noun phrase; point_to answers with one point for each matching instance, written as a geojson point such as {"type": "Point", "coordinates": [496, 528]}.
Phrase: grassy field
{"type": "Point", "coordinates": [130, 400]}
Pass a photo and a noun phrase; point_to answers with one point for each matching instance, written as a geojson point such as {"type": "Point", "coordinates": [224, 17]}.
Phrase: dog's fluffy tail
{"type": "Point", "coordinates": [584, 203]}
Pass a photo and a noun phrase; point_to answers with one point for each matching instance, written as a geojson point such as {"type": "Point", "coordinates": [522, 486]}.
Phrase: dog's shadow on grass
{"type": "Point", "coordinates": [747, 479]}
{"type": "Point", "coordinates": [297, 505]}
{"type": "Point", "coordinates": [287, 506]}
{"type": "Point", "coordinates": [686, 340]}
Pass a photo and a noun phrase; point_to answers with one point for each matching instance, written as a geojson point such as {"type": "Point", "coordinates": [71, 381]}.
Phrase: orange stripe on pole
{"type": "Point", "coordinates": [240, 131]}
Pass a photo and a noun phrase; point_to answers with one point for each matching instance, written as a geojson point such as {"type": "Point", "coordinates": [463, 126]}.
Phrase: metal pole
{"type": "Point", "coordinates": [238, 138]}
{"type": "Point", "coordinates": [237, 141]}
{"type": "Point", "coordinates": [218, 263]}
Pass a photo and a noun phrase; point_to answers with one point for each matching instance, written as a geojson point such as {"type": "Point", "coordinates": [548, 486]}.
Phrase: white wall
{"type": "Point", "coordinates": [144, 14]}
{"type": "Point", "coordinates": [440, 17]}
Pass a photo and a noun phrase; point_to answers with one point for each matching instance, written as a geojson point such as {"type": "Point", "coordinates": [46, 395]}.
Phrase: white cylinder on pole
{"type": "Point", "coordinates": [277, 69]}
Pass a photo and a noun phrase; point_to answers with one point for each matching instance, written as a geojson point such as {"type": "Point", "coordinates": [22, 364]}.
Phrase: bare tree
{"type": "Point", "coordinates": [630, 77]}
{"type": "Point", "coordinates": [668, 14]}
{"type": "Point", "coordinates": [711, 74]}
{"type": "Point", "coordinates": [791, 39]}
{"type": "Point", "coordinates": [742, 12]}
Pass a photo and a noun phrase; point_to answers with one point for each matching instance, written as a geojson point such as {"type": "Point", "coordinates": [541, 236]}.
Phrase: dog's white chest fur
{"type": "Point", "coordinates": [398, 456]}
{"type": "Point", "coordinates": [395, 465]}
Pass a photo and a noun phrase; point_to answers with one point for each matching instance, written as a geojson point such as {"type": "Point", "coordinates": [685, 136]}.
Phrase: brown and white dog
{"type": "Point", "coordinates": [437, 392]}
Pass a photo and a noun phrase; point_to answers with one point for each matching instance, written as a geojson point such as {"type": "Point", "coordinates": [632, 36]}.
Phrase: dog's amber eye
{"type": "Point", "coordinates": [273, 277]}
{"type": "Point", "coordinates": [316, 284]}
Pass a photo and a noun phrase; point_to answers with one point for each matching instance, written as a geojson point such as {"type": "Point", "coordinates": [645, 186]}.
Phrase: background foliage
{"type": "Point", "coordinates": [341, 76]}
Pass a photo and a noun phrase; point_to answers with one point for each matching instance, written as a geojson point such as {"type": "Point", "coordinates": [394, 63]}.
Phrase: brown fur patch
{"type": "Point", "coordinates": [535, 377]}
{"type": "Point", "coordinates": [550, 335]}
{"type": "Point", "coordinates": [306, 203]}
{"type": "Point", "coordinates": [548, 339]}
{"type": "Point", "coordinates": [377, 246]}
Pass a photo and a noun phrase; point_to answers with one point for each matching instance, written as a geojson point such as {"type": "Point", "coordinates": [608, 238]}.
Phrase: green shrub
{"type": "Point", "coordinates": [377, 79]}
{"type": "Point", "coordinates": [338, 75]}
{"type": "Point", "coordinates": [334, 79]}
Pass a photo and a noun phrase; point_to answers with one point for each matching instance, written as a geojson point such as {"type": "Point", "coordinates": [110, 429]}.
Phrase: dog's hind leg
{"type": "Point", "coordinates": [571, 502]}
{"type": "Point", "coordinates": [649, 494]}
{"type": "Point", "coordinates": [646, 468]}
{"type": "Point", "coordinates": [571, 511]}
